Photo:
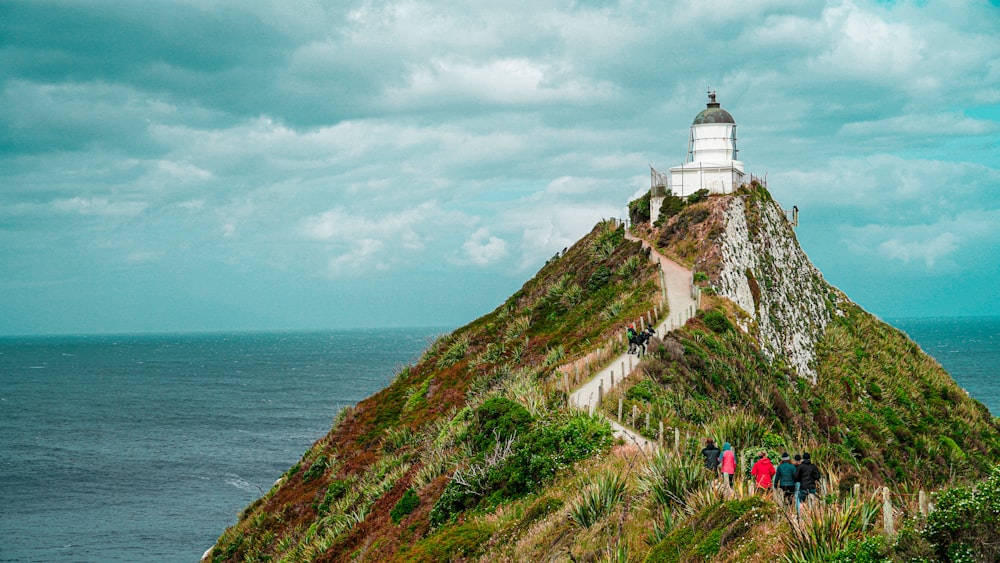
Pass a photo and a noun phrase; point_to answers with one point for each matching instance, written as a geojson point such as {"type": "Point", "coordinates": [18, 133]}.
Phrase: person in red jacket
{"type": "Point", "coordinates": [763, 472]}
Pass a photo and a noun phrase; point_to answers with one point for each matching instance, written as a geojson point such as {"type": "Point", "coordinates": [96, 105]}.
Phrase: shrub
{"type": "Point", "coordinates": [407, 504]}
{"type": "Point", "coordinates": [717, 322]}
{"type": "Point", "coordinates": [964, 522]}
{"type": "Point", "coordinates": [698, 196]}
{"type": "Point", "coordinates": [671, 206]}
{"type": "Point", "coordinates": [318, 468]}
{"type": "Point", "coordinates": [334, 491]}
{"type": "Point", "coordinates": [868, 550]}
{"type": "Point", "coordinates": [638, 209]}
{"type": "Point", "coordinates": [599, 278]}
{"type": "Point", "coordinates": [498, 418]}
{"type": "Point", "coordinates": [642, 391]}
{"type": "Point", "coordinates": [537, 455]}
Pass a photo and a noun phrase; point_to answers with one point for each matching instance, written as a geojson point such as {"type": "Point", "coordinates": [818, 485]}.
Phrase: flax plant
{"type": "Point", "coordinates": [601, 495]}
{"type": "Point", "coordinates": [824, 529]}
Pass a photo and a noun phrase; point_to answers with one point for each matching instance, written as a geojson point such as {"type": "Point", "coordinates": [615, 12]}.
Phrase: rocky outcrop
{"type": "Point", "coordinates": [764, 271]}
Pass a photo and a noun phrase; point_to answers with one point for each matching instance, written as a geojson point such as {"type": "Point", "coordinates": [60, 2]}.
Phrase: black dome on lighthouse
{"type": "Point", "coordinates": [713, 113]}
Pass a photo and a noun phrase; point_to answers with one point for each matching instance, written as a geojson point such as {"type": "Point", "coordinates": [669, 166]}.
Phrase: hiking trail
{"type": "Point", "coordinates": [681, 306]}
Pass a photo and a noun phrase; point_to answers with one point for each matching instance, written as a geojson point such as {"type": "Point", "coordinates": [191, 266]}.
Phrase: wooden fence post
{"type": "Point", "coordinates": [600, 393]}
{"type": "Point", "coordinates": [619, 410]}
{"type": "Point", "coordinates": [612, 379]}
{"type": "Point", "coordinates": [922, 500]}
{"type": "Point", "coordinates": [887, 516]}
{"type": "Point", "coordinates": [647, 420]}
{"type": "Point", "coordinates": [677, 440]}
{"type": "Point", "coordinates": [857, 490]}
{"type": "Point", "coordinates": [659, 435]}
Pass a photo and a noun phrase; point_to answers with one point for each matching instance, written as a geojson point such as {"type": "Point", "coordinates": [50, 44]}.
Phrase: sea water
{"type": "Point", "coordinates": [145, 448]}
{"type": "Point", "coordinates": [968, 347]}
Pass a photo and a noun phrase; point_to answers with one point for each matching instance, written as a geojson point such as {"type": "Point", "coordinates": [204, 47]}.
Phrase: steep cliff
{"type": "Point", "coordinates": [473, 453]}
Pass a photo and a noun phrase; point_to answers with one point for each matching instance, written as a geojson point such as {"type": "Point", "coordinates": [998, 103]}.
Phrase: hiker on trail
{"type": "Point", "coordinates": [642, 338]}
{"type": "Point", "coordinates": [711, 453]}
{"type": "Point", "coordinates": [784, 477]}
{"type": "Point", "coordinates": [807, 475]}
{"type": "Point", "coordinates": [763, 472]}
{"type": "Point", "coordinates": [632, 342]}
{"type": "Point", "coordinates": [728, 461]}
{"type": "Point", "coordinates": [797, 461]}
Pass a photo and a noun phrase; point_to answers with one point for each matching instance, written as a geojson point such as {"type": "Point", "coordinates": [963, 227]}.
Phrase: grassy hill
{"type": "Point", "coordinates": [472, 455]}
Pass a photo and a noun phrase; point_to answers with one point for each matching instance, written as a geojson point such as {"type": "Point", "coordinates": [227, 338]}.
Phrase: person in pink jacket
{"type": "Point", "coordinates": [763, 472]}
{"type": "Point", "coordinates": [728, 462]}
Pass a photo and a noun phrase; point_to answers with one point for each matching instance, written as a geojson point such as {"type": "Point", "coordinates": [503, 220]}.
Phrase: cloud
{"type": "Point", "coordinates": [338, 142]}
{"type": "Point", "coordinates": [930, 251]}
{"type": "Point", "coordinates": [483, 249]}
{"type": "Point", "coordinates": [97, 206]}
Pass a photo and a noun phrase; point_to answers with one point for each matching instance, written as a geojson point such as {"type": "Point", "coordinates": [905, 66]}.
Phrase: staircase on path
{"type": "Point", "coordinates": [682, 303]}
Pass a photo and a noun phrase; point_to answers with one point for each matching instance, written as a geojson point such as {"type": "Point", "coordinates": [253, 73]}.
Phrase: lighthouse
{"type": "Point", "coordinates": [712, 154]}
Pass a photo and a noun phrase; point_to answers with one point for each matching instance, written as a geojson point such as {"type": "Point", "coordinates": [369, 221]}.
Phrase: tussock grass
{"type": "Point", "coordinates": [824, 529]}
{"type": "Point", "coordinates": [598, 499]}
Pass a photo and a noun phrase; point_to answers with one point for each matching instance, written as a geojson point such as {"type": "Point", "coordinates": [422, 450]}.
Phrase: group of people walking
{"type": "Point", "coordinates": [790, 475]}
{"type": "Point", "coordinates": [637, 340]}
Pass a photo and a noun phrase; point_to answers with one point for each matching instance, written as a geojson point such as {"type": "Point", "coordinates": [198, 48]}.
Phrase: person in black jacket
{"type": "Point", "coordinates": [711, 453]}
{"type": "Point", "coordinates": [807, 475]}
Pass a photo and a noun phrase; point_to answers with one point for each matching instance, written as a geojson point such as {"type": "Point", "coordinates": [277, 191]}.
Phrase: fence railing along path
{"type": "Point", "coordinates": [682, 299]}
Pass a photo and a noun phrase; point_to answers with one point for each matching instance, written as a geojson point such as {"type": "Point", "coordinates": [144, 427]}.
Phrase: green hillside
{"type": "Point", "coordinates": [471, 454]}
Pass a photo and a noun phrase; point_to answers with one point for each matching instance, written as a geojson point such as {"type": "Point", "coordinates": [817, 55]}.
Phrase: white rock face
{"type": "Point", "coordinates": [790, 311]}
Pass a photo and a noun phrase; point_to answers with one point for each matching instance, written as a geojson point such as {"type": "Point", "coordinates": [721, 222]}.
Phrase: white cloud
{"type": "Point", "coordinates": [484, 249]}
{"type": "Point", "coordinates": [363, 257]}
{"type": "Point", "coordinates": [930, 251]}
{"type": "Point", "coordinates": [98, 206]}
{"type": "Point", "coordinates": [503, 81]}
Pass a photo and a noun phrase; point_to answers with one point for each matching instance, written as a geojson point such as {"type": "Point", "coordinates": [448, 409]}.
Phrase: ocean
{"type": "Point", "coordinates": [968, 347]}
{"type": "Point", "coordinates": [145, 448]}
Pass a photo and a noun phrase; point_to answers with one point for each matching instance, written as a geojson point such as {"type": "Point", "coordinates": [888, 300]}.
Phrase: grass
{"type": "Point", "coordinates": [707, 379]}
{"type": "Point", "coordinates": [598, 499]}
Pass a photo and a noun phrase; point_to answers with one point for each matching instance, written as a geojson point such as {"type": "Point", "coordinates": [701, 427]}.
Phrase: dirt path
{"type": "Point", "coordinates": [681, 307]}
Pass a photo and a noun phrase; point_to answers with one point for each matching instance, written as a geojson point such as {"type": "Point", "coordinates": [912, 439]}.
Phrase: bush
{"type": "Point", "coordinates": [717, 322]}
{"type": "Point", "coordinates": [642, 391]}
{"type": "Point", "coordinates": [498, 418]}
{"type": "Point", "coordinates": [318, 468]}
{"type": "Point", "coordinates": [407, 504]}
{"type": "Point", "coordinates": [599, 278]}
{"type": "Point", "coordinates": [638, 209]}
{"type": "Point", "coordinates": [964, 522]}
{"type": "Point", "coordinates": [537, 455]}
{"type": "Point", "coordinates": [672, 205]}
{"type": "Point", "coordinates": [698, 196]}
{"type": "Point", "coordinates": [334, 491]}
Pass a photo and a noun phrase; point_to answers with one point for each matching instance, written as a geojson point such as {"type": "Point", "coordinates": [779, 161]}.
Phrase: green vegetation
{"type": "Point", "coordinates": [472, 454]}
{"type": "Point", "coordinates": [405, 506]}
{"type": "Point", "coordinates": [601, 496]}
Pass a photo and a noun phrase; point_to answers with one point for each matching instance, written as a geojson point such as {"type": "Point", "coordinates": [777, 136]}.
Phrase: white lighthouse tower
{"type": "Point", "coordinates": [711, 162]}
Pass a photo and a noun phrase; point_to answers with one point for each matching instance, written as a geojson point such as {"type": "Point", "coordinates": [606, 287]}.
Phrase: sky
{"type": "Point", "coordinates": [217, 165]}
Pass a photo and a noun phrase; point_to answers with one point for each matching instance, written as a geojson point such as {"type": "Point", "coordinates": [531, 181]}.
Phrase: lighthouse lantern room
{"type": "Point", "coordinates": [712, 154]}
